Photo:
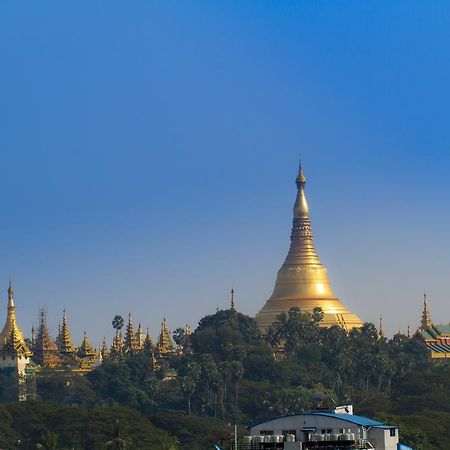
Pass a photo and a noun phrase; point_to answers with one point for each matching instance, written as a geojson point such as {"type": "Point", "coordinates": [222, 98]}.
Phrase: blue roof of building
{"type": "Point", "coordinates": [357, 420]}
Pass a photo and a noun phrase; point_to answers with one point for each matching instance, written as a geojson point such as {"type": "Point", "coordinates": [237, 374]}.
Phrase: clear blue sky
{"type": "Point", "coordinates": [149, 150]}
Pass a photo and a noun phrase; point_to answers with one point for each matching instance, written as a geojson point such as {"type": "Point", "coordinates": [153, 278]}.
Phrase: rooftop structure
{"type": "Point", "coordinates": [333, 429]}
{"type": "Point", "coordinates": [435, 336]}
{"type": "Point", "coordinates": [302, 280]}
{"type": "Point", "coordinates": [165, 344]}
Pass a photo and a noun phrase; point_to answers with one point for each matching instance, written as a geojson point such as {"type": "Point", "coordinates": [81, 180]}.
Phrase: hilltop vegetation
{"type": "Point", "coordinates": [229, 373]}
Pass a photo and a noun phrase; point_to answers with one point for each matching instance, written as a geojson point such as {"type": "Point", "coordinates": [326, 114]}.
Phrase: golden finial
{"type": "Point", "coordinates": [301, 208]}
{"type": "Point", "coordinates": [301, 179]}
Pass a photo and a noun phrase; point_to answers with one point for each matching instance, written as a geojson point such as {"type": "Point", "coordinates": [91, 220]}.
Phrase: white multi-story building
{"type": "Point", "coordinates": [338, 428]}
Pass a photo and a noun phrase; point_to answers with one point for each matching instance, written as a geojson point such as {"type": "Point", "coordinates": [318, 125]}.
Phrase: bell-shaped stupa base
{"type": "Point", "coordinates": [335, 313]}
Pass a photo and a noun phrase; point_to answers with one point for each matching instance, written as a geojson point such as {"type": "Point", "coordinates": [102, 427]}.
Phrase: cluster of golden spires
{"type": "Point", "coordinates": [62, 353]}
{"type": "Point", "coordinates": [302, 280]}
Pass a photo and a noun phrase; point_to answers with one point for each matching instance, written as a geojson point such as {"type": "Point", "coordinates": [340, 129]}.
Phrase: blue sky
{"type": "Point", "coordinates": [149, 151]}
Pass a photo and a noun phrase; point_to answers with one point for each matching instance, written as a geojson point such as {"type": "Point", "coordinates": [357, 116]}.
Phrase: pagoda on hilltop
{"type": "Point", "coordinates": [435, 336]}
{"type": "Point", "coordinates": [66, 349]}
{"type": "Point", "coordinates": [302, 280]}
{"type": "Point", "coordinates": [45, 350]}
{"type": "Point", "coordinates": [132, 342]}
{"type": "Point", "coordinates": [14, 352]}
{"type": "Point", "coordinates": [165, 345]}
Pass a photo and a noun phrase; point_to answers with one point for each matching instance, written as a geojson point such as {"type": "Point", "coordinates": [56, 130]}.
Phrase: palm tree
{"type": "Point", "coordinates": [49, 441]}
{"type": "Point", "coordinates": [188, 387]}
{"type": "Point", "coordinates": [117, 323]}
{"type": "Point", "coordinates": [237, 371]}
{"type": "Point", "coordinates": [117, 442]}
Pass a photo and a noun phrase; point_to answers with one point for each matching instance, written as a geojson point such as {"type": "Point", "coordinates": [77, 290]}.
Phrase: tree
{"type": "Point", "coordinates": [117, 323]}
{"type": "Point", "coordinates": [117, 442]}
{"type": "Point", "coordinates": [49, 441]}
{"type": "Point", "coordinates": [237, 371]}
{"type": "Point", "coordinates": [179, 336]}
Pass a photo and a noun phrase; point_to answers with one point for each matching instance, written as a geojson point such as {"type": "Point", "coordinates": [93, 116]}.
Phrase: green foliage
{"type": "Point", "coordinates": [194, 433]}
{"type": "Point", "coordinates": [53, 426]}
{"type": "Point", "coordinates": [233, 374]}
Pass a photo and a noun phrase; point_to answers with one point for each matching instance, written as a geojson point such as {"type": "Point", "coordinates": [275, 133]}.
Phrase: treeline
{"type": "Point", "coordinates": [229, 373]}
{"type": "Point", "coordinates": [36, 424]}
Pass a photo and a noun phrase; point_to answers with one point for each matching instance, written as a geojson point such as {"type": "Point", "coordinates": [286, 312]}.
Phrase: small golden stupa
{"type": "Point", "coordinates": [302, 280]}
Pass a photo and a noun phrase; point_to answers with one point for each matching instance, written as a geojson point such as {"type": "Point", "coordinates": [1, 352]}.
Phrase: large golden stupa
{"type": "Point", "coordinates": [302, 280]}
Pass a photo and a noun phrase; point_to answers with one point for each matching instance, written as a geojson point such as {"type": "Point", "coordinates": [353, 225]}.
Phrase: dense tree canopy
{"type": "Point", "coordinates": [230, 373]}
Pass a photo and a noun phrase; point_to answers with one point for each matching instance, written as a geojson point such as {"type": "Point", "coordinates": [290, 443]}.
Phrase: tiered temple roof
{"type": "Point", "coordinates": [165, 345]}
{"type": "Point", "coordinates": [435, 336]}
{"type": "Point", "coordinates": [148, 343]}
{"type": "Point", "coordinates": [86, 350]}
{"type": "Point", "coordinates": [140, 337]}
{"type": "Point", "coordinates": [45, 350]}
{"type": "Point", "coordinates": [131, 343]}
{"type": "Point", "coordinates": [65, 344]}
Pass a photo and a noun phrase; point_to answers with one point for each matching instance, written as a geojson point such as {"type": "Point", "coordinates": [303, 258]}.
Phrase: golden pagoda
{"type": "Point", "coordinates": [131, 343]}
{"type": "Point", "coordinates": [64, 341]}
{"type": "Point", "coordinates": [45, 351]}
{"type": "Point", "coordinates": [165, 344]}
{"type": "Point", "coordinates": [104, 350]}
{"type": "Point", "coordinates": [86, 350]}
{"type": "Point", "coordinates": [302, 280]}
{"type": "Point", "coordinates": [11, 330]}
{"type": "Point", "coordinates": [148, 343]}
{"type": "Point", "coordinates": [140, 337]}
{"type": "Point", "coordinates": [117, 346]}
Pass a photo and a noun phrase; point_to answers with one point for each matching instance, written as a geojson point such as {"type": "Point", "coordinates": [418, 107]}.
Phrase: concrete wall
{"type": "Point", "coordinates": [381, 438]}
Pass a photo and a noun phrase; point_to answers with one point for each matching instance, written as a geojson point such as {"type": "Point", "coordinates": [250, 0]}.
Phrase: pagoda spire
{"type": "Point", "coordinates": [233, 304]}
{"type": "Point", "coordinates": [426, 322]}
{"type": "Point", "coordinates": [302, 280]}
{"type": "Point", "coordinates": [148, 343]}
{"type": "Point", "coordinates": [86, 350]}
{"type": "Point", "coordinates": [165, 343]}
{"type": "Point", "coordinates": [380, 330]}
{"type": "Point", "coordinates": [65, 344]}
{"type": "Point", "coordinates": [131, 343]}
{"type": "Point", "coordinates": [140, 336]}
{"type": "Point", "coordinates": [45, 350]}
{"type": "Point", "coordinates": [11, 326]}
{"type": "Point", "coordinates": [104, 350]}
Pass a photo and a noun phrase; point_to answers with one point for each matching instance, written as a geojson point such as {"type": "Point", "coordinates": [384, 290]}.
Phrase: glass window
{"type": "Point", "coordinates": [392, 432]}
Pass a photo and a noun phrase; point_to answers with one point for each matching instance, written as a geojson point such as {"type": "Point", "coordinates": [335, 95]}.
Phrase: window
{"type": "Point", "coordinates": [392, 432]}
{"type": "Point", "coordinates": [327, 430]}
{"type": "Point", "coordinates": [266, 432]}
